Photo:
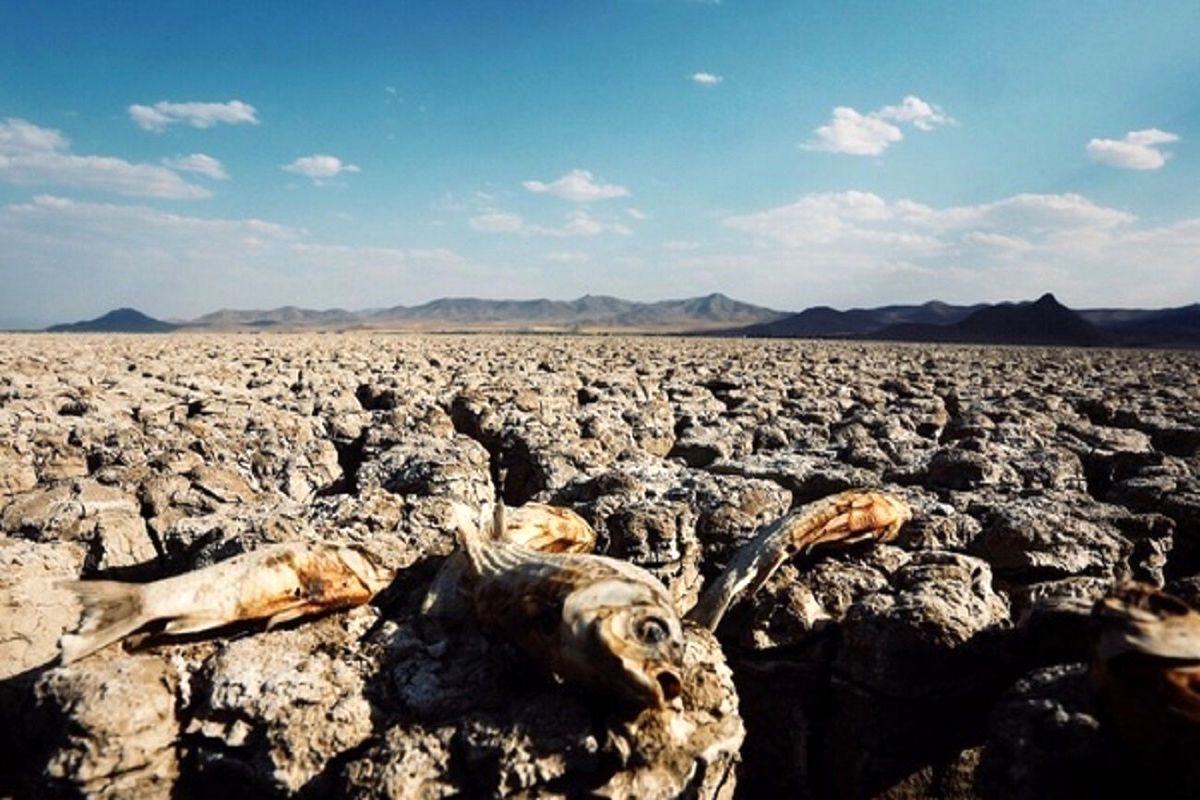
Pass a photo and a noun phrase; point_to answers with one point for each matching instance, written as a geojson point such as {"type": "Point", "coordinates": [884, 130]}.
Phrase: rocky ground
{"type": "Point", "coordinates": [950, 663]}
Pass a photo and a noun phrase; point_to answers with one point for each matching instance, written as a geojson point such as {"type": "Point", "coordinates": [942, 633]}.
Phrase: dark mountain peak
{"type": "Point", "coordinates": [600, 304]}
{"type": "Point", "coordinates": [1044, 321]}
{"type": "Point", "coordinates": [715, 308]}
{"type": "Point", "coordinates": [119, 320]}
{"type": "Point", "coordinates": [124, 315]}
{"type": "Point", "coordinates": [1047, 300]}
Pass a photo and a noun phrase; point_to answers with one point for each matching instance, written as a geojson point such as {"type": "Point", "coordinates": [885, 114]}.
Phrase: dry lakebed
{"type": "Point", "coordinates": [949, 662]}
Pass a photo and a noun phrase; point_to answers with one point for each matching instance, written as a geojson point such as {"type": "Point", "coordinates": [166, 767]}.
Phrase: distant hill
{"type": "Point", "coordinates": [121, 320]}
{"type": "Point", "coordinates": [473, 310]}
{"type": "Point", "coordinates": [710, 311]}
{"type": "Point", "coordinates": [823, 321]}
{"type": "Point", "coordinates": [285, 315]}
{"type": "Point", "coordinates": [1166, 327]}
{"type": "Point", "coordinates": [1044, 321]}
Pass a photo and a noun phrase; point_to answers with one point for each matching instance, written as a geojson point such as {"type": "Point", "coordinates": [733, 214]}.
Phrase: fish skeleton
{"type": "Point", "coordinates": [591, 620]}
{"type": "Point", "coordinates": [853, 516]}
{"type": "Point", "coordinates": [279, 583]}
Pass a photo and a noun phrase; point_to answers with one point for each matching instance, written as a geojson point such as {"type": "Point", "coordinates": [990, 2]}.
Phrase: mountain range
{"type": "Point", "coordinates": [590, 312]}
{"type": "Point", "coordinates": [1044, 321]}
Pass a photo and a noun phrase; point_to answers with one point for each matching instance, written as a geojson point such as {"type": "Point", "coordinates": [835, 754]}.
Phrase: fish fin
{"type": "Point", "coordinates": [495, 531]}
{"type": "Point", "coordinates": [111, 611]}
{"type": "Point", "coordinates": [182, 625]}
{"type": "Point", "coordinates": [275, 620]}
{"type": "Point", "coordinates": [466, 530]}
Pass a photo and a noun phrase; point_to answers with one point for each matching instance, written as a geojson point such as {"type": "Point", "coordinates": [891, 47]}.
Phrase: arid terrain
{"type": "Point", "coordinates": [950, 662]}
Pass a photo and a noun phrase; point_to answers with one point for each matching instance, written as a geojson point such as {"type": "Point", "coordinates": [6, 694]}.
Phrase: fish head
{"type": "Point", "coordinates": [893, 515]}
{"type": "Point", "coordinates": [373, 575]}
{"type": "Point", "coordinates": [1140, 618]}
{"type": "Point", "coordinates": [871, 516]}
{"type": "Point", "coordinates": [627, 638]}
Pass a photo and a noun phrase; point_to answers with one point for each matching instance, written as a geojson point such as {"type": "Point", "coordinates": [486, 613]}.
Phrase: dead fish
{"type": "Point", "coordinates": [1137, 618]}
{"type": "Point", "coordinates": [279, 583]}
{"type": "Point", "coordinates": [853, 516]}
{"type": "Point", "coordinates": [1145, 668]}
{"type": "Point", "coordinates": [1146, 652]}
{"type": "Point", "coordinates": [591, 620]}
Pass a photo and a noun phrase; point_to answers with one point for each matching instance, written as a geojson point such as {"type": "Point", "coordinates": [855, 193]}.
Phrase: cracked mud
{"type": "Point", "coordinates": [947, 663]}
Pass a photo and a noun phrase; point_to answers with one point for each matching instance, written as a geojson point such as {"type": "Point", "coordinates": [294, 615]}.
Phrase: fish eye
{"type": "Point", "coordinates": [651, 630]}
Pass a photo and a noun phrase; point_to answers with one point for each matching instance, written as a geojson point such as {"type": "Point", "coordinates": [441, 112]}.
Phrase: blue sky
{"type": "Point", "coordinates": [181, 157]}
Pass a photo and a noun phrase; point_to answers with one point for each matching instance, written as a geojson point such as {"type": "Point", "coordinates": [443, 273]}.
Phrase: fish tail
{"type": "Point", "coordinates": [111, 611]}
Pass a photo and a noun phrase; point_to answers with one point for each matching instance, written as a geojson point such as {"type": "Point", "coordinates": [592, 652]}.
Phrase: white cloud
{"type": "Point", "coordinates": [842, 244]}
{"type": "Point", "coordinates": [582, 224]}
{"type": "Point", "coordinates": [349, 254]}
{"type": "Point", "coordinates": [497, 222]}
{"type": "Point", "coordinates": [320, 168]}
{"type": "Point", "coordinates": [566, 257]}
{"type": "Point", "coordinates": [843, 218]}
{"type": "Point", "coordinates": [637, 213]}
{"type": "Point", "coordinates": [577, 223]}
{"type": "Point", "coordinates": [31, 155]}
{"type": "Point", "coordinates": [578, 186]}
{"type": "Point", "coordinates": [706, 78]}
{"type": "Point", "coordinates": [1136, 150]}
{"type": "Point", "coordinates": [94, 216]}
{"type": "Point", "coordinates": [680, 246]}
{"type": "Point", "coordinates": [77, 259]}
{"type": "Point", "coordinates": [852, 133]}
{"type": "Point", "coordinates": [18, 136]}
{"type": "Point", "coordinates": [158, 117]}
{"type": "Point", "coordinates": [924, 116]}
{"type": "Point", "coordinates": [199, 163]}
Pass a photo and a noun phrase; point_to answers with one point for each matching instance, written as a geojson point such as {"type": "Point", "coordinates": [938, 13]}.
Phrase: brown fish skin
{"type": "Point", "coordinates": [548, 529]}
{"type": "Point", "coordinates": [278, 583]}
{"type": "Point", "coordinates": [1145, 668]}
{"type": "Point", "coordinates": [856, 515]}
{"type": "Point", "coordinates": [591, 620]}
